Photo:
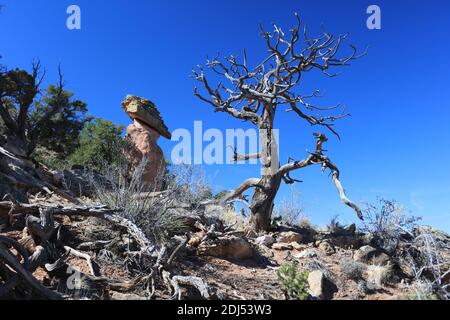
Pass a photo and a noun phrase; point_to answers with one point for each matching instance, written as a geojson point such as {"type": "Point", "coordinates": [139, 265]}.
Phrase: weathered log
{"type": "Point", "coordinates": [174, 283]}
{"type": "Point", "coordinates": [22, 270]}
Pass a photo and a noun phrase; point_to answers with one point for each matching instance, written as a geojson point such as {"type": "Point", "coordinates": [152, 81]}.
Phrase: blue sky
{"type": "Point", "coordinates": [395, 145]}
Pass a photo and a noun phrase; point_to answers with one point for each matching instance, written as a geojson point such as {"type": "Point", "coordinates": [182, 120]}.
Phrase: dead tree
{"type": "Point", "coordinates": [256, 94]}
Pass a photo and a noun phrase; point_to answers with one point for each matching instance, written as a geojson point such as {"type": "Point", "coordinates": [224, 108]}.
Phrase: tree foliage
{"type": "Point", "coordinates": [100, 143]}
{"type": "Point", "coordinates": [29, 118]}
{"type": "Point", "coordinates": [61, 119]}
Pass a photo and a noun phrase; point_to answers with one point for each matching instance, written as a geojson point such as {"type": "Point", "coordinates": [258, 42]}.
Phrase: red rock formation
{"type": "Point", "coordinates": [142, 137]}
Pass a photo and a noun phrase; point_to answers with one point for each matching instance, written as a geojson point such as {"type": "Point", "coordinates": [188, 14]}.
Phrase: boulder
{"type": "Point", "coordinates": [142, 150]}
{"type": "Point", "coordinates": [289, 237]}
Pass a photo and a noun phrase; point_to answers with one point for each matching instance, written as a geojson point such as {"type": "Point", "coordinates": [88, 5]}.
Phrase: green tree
{"type": "Point", "coordinates": [100, 143]}
{"type": "Point", "coordinates": [61, 120]}
{"type": "Point", "coordinates": [29, 118]}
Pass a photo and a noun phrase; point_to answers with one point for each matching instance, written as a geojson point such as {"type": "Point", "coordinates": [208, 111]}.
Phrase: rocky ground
{"type": "Point", "coordinates": [212, 260]}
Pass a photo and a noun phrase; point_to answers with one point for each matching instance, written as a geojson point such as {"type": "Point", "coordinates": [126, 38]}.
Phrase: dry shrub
{"type": "Point", "coordinates": [378, 276]}
{"type": "Point", "coordinates": [431, 269]}
{"type": "Point", "coordinates": [352, 269]}
{"type": "Point", "coordinates": [387, 221]}
{"type": "Point", "coordinates": [160, 215]}
{"type": "Point", "coordinates": [291, 212]}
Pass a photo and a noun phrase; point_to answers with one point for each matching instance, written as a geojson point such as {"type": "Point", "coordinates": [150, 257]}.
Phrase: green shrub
{"type": "Point", "coordinates": [294, 283]}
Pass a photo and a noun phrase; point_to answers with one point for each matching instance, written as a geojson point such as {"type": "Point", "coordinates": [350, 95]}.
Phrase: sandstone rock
{"type": "Point", "coordinates": [142, 137]}
{"type": "Point", "coordinates": [289, 237]}
{"type": "Point", "coordinates": [142, 146]}
{"type": "Point", "coordinates": [266, 240]}
{"type": "Point", "coordinates": [282, 246]}
{"type": "Point", "coordinates": [320, 286]}
{"type": "Point", "coordinates": [227, 247]}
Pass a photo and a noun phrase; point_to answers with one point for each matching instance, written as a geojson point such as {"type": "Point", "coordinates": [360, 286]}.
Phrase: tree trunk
{"type": "Point", "coordinates": [263, 199]}
{"type": "Point", "coordinates": [263, 202]}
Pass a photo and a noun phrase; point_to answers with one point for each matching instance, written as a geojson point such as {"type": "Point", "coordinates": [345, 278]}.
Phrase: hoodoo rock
{"type": "Point", "coordinates": [142, 137]}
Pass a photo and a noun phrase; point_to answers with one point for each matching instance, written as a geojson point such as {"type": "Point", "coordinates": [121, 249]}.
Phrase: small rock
{"type": "Point", "coordinates": [309, 253]}
{"type": "Point", "coordinates": [289, 237]}
{"type": "Point", "coordinates": [320, 286]}
{"type": "Point", "coordinates": [266, 240]}
{"type": "Point", "coordinates": [227, 247]}
{"type": "Point", "coordinates": [326, 248]}
{"type": "Point", "coordinates": [282, 246]}
{"type": "Point", "coordinates": [297, 246]}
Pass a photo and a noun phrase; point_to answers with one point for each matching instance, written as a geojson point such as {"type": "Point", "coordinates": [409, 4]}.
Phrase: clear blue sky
{"type": "Point", "coordinates": [395, 145]}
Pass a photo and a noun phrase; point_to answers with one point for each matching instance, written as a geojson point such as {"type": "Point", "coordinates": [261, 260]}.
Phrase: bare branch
{"type": "Point", "coordinates": [319, 158]}
{"type": "Point", "coordinates": [247, 184]}
{"type": "Point", "coordinates": [243, 157]}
